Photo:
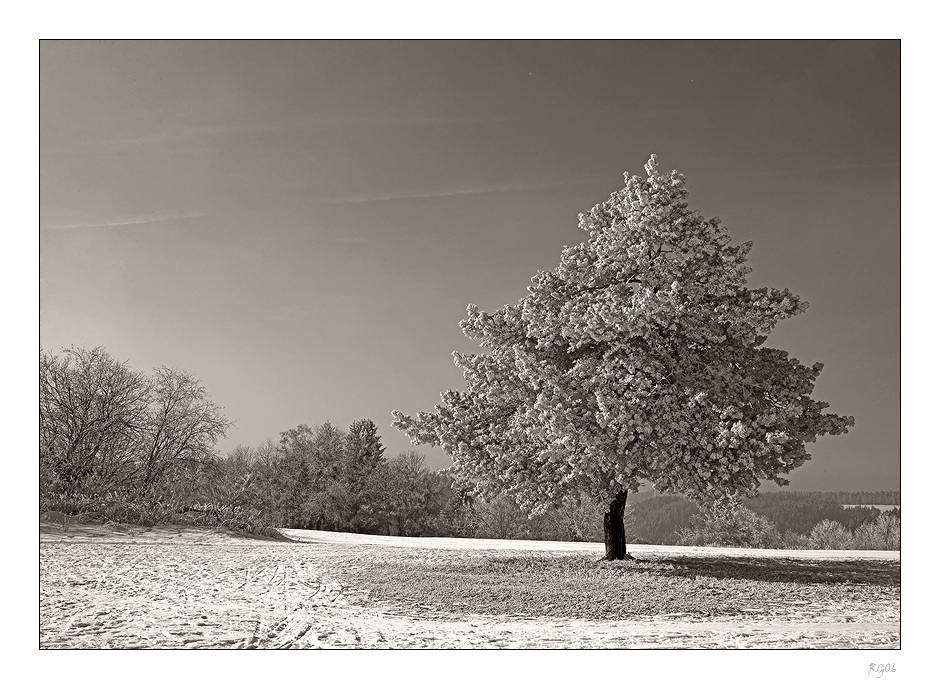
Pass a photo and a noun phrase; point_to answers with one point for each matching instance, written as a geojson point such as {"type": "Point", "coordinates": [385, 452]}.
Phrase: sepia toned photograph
{"type": "Point", "coordinates": [470, 345]}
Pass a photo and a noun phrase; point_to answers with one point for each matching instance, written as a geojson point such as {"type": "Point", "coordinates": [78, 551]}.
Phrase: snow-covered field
{"type": "Point", "coordinates": [165, 587]}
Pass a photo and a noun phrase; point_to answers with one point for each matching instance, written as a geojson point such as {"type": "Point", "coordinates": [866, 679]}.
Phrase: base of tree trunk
{"type": "Point", "coordinates": [615, 535]}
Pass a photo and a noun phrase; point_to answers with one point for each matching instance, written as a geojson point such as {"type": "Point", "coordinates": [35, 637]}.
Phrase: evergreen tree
{"type": "Point", "coordinates": [640, 357]}
{"type": "Point", "coordinates": [364, 451]}
{"type": "Point", "coordinates": [364, 455]}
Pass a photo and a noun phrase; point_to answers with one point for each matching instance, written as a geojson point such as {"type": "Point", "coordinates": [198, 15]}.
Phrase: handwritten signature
{"type": "Point", "coordinates": [881, 668]}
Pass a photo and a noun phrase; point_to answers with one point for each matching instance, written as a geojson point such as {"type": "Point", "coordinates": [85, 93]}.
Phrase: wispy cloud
{"type": "Point", "coordinates": [183, 133]}
{"type": "Point", "coordinates": [809, 169]}
{"type": "Point", "coordinates": [414, 121]}
{"type": "Point", "coordinates": [459, 191]}
{"type": "Point", "coordinates": [855, 166]}
{"type": "Point", "coordinates": [166, 136]}
{"type": "Point", "coordinates": [121, 222]}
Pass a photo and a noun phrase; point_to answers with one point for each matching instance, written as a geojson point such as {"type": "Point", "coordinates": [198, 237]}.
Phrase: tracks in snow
{"type": "Point", "coordinates": [229, 593]}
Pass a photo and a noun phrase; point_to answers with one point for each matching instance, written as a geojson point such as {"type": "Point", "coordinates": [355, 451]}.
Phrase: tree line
{"type": "Point", "coordinates": [325, 477]}
{"type": "Point", "coordinates": [786, 518]}
{"type": "Point", "coordinates": [122, 445]}
{"type": "Point", "coordinates": [119, 444]}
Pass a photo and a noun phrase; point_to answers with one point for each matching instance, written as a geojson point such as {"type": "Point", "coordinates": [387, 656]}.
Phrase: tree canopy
{"type": "Point", "coordinates": [639, 358]}
{"type": "Point", "coordinates": [105, 428]}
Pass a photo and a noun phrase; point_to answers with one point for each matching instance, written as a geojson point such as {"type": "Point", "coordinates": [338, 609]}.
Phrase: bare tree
{"type": "Point", "coordinates": [92, 411]}
{"type": "Point", "coordinates": [106, 429]}
{"type": "Point", "coordinates": [182, 426]}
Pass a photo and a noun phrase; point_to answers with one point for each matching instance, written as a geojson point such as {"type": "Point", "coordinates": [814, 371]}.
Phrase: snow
{"type": "Point", "coordinates": [309, 536]}
{"type": "Point", "coordinates": [167, 587]}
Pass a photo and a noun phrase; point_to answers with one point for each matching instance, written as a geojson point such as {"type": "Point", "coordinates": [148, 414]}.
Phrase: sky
{"type": "Point", "coordinates": [302, 224]}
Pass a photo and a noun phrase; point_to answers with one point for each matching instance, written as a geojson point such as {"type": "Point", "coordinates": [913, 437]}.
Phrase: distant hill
{"type": "Point", "coordinates": [880, 497]}
{"type": "Point", "coordinates": [656, 518]}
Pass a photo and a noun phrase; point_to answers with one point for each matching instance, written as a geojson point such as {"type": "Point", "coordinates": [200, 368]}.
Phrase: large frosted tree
{"type": "Point", "coordinates": [640, 358]}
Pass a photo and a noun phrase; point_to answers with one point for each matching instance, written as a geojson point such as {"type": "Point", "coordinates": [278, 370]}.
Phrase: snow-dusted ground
{"type": "Point", "coordinates": [191, 588]}
{"type": "Point", "coordinates": [305, 536]}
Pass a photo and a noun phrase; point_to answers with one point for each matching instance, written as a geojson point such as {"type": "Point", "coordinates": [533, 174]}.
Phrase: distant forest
{"type": "Point", "coordinates": [659, 518]}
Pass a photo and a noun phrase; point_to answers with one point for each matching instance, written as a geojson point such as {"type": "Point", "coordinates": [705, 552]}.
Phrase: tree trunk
{"type": "Point", "coordinates": [615, 535]}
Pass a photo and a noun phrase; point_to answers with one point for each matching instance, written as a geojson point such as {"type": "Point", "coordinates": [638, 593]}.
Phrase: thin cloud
{"type": "Point", "coordinates": [183, 133]}
{"type": "Point", "coordinates": [854, 166]}
{"type": "Point", "coordinates": [163, 137]}
{"type": "Point", "coordinates": [460, 191]}
{"type": "Point", "coordinates": [808, 169]}
{"type": "Point", "coordinates": [379, 121]}
{"type": "Point", "coordinates": [121, 222]}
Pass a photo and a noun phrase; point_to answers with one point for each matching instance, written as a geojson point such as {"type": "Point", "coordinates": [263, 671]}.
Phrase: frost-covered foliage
{"type": "Point", "coordinates": [736, 527]}
{"type": "Point", "coordinates": [830, 535]}
{"type": "Point", "coordinates": [882, 534]}
{"type": "Point", "coordinates": [638, 358]}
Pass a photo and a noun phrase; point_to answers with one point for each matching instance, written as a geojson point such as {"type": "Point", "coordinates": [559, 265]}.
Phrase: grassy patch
{"type": "Point", "coordinates": [578, 586]}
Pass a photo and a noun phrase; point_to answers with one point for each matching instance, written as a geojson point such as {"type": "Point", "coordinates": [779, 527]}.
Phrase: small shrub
{"type": "Point", "coordinates": [735, 527]}
{"type": "Point", "coordinates": [830, 535]}
{"type": "Point", "coordinates": [792, 540]}
{"type": "Point", "coordinates": [882, 534]}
